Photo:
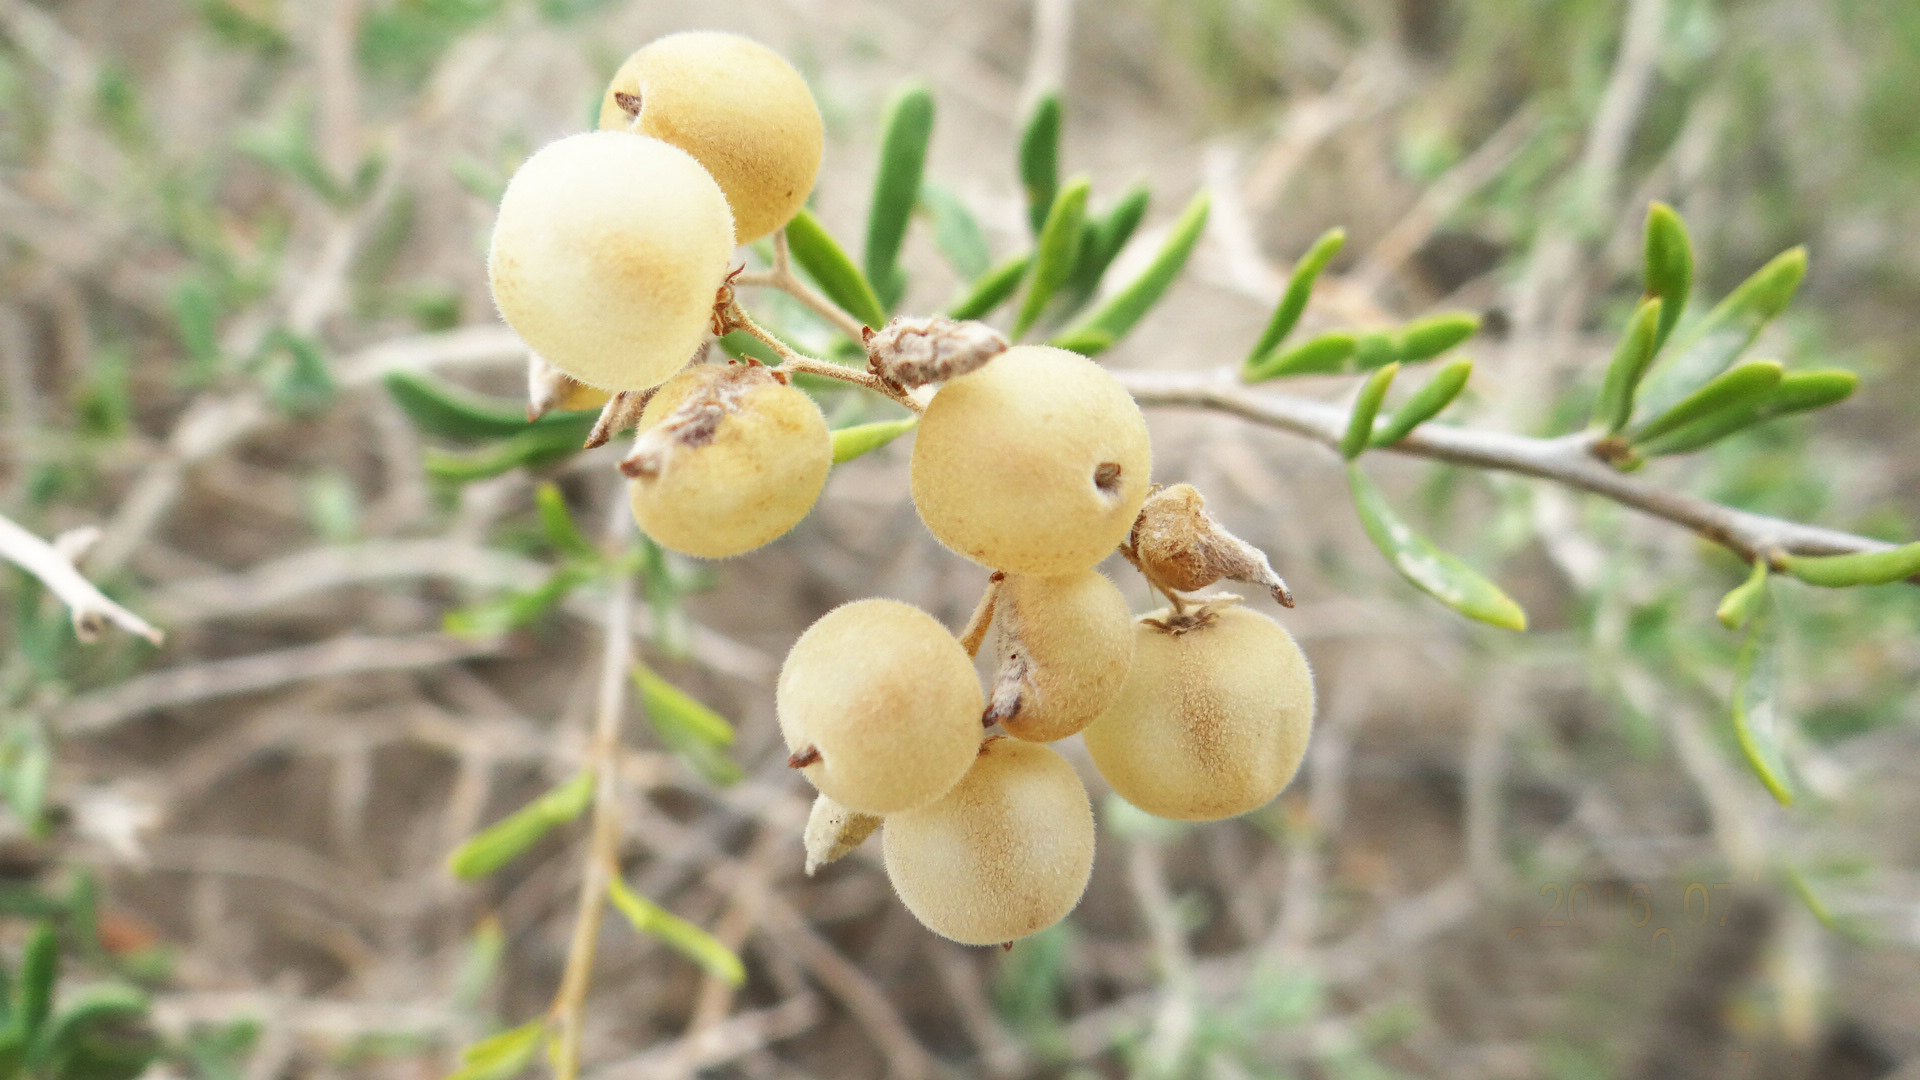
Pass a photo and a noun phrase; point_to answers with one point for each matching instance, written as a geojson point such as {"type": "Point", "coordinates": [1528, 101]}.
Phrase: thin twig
{"type": "Point", "coordinates": [1567, 461]}
{"type": "Point", "coordinates": [603, 848]}
{"type": "Point", "coordinates": [976, 631]}
{"type": "Point", "coordinates": [792, 362]}
{"type": "Point", "coordinates": [782, 277]}
{"type": "Point", "coordinates": [92, 611]}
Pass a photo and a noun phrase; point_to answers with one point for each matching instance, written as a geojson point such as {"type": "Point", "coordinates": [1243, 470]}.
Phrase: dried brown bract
{"type": "Point", "coordinates": [833, 830]}
{"type": "Point", "coordinates": [1180, 547]}
{"type": "Point", "coordinates": [915, 352]}
{"type": "Point", "coordinates": [549, 388]}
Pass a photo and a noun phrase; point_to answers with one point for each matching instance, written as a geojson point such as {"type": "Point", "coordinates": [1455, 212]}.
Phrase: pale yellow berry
{"type": "Point", "coordinates": [1063, 645]}
{"type": "Point", "coordinates": [727, 458]}
{"type": "Point", "coordinates": [1214, 718]}
{"type": "Point", "coordinates": [880, 706]}
{"type": "Point", "coordinates": [1006, 853]}
{"type": "Point", "coordinates": [607, 255]}
{"type": "Point", "coordinates": [735, 105]}
{"type": "Point", "coordinates": [1034, 464]}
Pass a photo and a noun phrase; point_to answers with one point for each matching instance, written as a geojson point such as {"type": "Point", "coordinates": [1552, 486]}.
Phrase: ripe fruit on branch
{"type": "Point", "coordinates": [1064, 645]}
{"type": "Point", "coordinates": [606, 256]}
{"type": "Point", "coordinates": [1006, 853]}
{"type": "Point", "coordinates": [1214, 718]}
{"type": "Point", "coordinates": [1034, 464]}
{"type": "Point", "coordinates": [727, 458]}
{"type": "Point", "coordinates": [880, 706]}
{"type": "Point", "coordinates": [737, 107]}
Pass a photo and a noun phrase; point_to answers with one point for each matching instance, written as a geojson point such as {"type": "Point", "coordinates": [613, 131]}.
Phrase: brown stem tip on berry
{"type": "Point", "coordinates": [915, 352]}
{"type": "Point", "coordinates": [629, 103]}
{"type": "Point", "coordinates": [803, 757]}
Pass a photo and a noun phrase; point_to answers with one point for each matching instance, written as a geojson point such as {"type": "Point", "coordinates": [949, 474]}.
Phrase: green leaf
{"type": "Point", "coordinates": [851, 442]}
{"type": "Point", "coordinates": [1726, 331]}
{"type": "Point", "coordinates": [991, 289]}
{"type": "Point", "coordinates": [1366, 407]}
{"type": "Point", "coordinates": [196, 313]}
{"type": "Point", "coordinates": [1803, 391]}
{"type": "Point", "coordinates": [1868, 568]}
{"type": "Point", "coordinates": [1101, 241]}
{"type": "Point", "coordinates": [514, 610]}
{"type": "Point", "coordinates": [1669, 261]}
{"type": "Point", "coordinates": [536, 445]}
{"type": "Point", "coordinates": [670, 706]}
{"type": "Point", "coordinates": [103, 1034]}
{"type": "Point", "coordinates": [896, 190]}
{"type": "Point", "coordinates": [505, 840]}
{"type": "Point", "coordinates": [1441, 575]}
{"type": "Point", "coordinates": [1322, 355]}
{"type": "Point", "coordinates": [1742, 386]}
{"type": "Point", "coordinates": [441, 408]}
{"type": "Point", "coordinates": [1424, 339]}
{"type": "Point", "coordinates": [1053, 258]}
{"type": "Point", "coordinates": [1739, 605]}
{"type": "Point", "coordinates": [557, 524]}
{"type": "Point", "coordinates": [741, 345]}
{"type": "Point", "coordinates": [955, 231]}
{"type": "Point", "coordinates": [823, 259]}
{"type": "Point", "coordinates": [694, 943]}
{"type": "Point", "coordinates": [1086, 342]}
{"type": "Point", "coordinates": [37, 971]}
{"type": "Point", "coordinates": [1426, 403]}
{"type": "Point", "coordinates": [501, 1056]}
{"type": "Point", "coordinates": [1293, 301]}
{"type": "Point", "coordinates": [1804, 890]}
{"type": "Point", "coordinates": [299, 384]}
{"type": "Point", "coordinates": [1374, 349]}
{"type": "Point", "coordinates": [28, 773]}
{"type": "Point", "coordinates": [1630, 360]}
{"type": "Point", "coordinates": [1040, 159]}
{"type": "Point", "coordinates": [1128, 306]}
{"type": "Point", "coordinates": [1756, 709]}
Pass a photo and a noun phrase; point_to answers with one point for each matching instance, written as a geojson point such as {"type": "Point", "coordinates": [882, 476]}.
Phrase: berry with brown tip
{"type": "Point", "coordinates": [1064, 644]}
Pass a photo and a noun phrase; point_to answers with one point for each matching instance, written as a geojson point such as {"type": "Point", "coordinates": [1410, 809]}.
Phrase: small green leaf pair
{"type": "Point", "coordinates": [1363, 429]}
{"type": "Point", "coordinates": [442, 409]}
{"type": "Point", "coordinates": [101, 1033]}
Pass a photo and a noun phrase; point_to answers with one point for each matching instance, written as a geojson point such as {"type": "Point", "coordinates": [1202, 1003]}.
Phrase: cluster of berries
{"type": "Point", "coordinates": [609, 257]}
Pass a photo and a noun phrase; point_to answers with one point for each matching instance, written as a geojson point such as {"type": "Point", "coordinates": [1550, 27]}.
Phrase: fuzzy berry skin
{"type": "Point", "coordinates": [1007, 853]}
{"type": "Point", "coordinates": [1064, 645]}
{"type": "Point", "coordinates": [1036, 463]}
{"type": "Point", "coordinates": [736, 106]}
{"type": "Point", "coordinates": [607, 254]}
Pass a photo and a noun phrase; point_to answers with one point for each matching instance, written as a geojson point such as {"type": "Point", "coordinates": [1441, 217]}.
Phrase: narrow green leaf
{"type": "Point", "coordinates": [103, 1034]}
{"type": "Point", "coordinates": [1366, 407]}
{"type": "Point", "coordinates": [851, 442]}
{"type": "Point", "coordinates": [196, 313]}
{"type": "Point", "coordinates": [1439, 574]}
{"type": "Point", "coordinates": [1040, 159]}
{"type": "Point", "coordinates": [1086, 342]}
{"type": "Point", "coordinates": [1424, 339]}
{"type": "Point", "coordinates": [1054, 255]}
{"type": "Point", "coordinates": [1746, 384]}
{"type": "Point", "coordinates": [37, 971]}
{"type": "Point", "coordinates": [1101, 242]}
{"type": "Point", "coordinates": [991, 289]}
{"type": "Point", "coordinates": [536, 445]}
{"type": "Point", "coordinates": [741, 345]}
{"type": "Point", "coordinates": [511, 611]}
{"type": "Point", "coordinates": [1702, 432]}
{"type": "Point", "coordinates": [827, 263]}
{"type": "Point", "coordinates": [1128, 306]}
{"type": "Point", "coordinates": [27, 789]}
{"type": "Point", "coordinates": [1374, 349]}
{"type": "Point", "coordinates": [441, 408]}
{"type": "Point", "coordinates": [1804, 890]}
{"type": "Point", "coordinates": [1726, 331]}
{"type": "Point", "coordinates": [1756, 709]}
{"type": "Point", "coordinates": [1299, 287]}
{"type": "Point", "coordinates": [694, 943]}
{"type": "Point", "coordinates": [501, 1056]}
{"type": "Point", "coordinates": [1426, 402]}
{"type": "Point", "coordinates": [500, 843]}
{"type": "Point", "coordinates": [1740, 604]}
{"type": "Point", "coordinates": [1669, 261]}
{"type": "Point", "coordinates": [955, 231]}
{"type": "Point", "coordinates": [1869, 568]}
{"type": "Point", "coordinates": [298, 380]}
{"type": "Point", "coordinates": [671, 706]}
{"type": "Point", "coordinates": [557, 524]}
{"type": "Point", "coordinates": [1630, 359]}
{"type": "Point", "coordinates": [1804, 391]}
{"type": "Point", "coordinates": [1322, 355]}
{"type": "Point", "coordinates": [1797, 391]}
{"type": "Point", "coordinates": [903, 158]}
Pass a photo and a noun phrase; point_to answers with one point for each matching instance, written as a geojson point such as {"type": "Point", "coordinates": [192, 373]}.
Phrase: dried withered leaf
{"type": "Point", "coordinates": [620, 413]}
{"type": "Point", "coordinates": [695, 421]}
{"type": "Point", "coordinates": [915, 352]}
{"type": "Point", "coordinates": [1179, 546]}
{"type": "Point", "coordinates": [833, 830]}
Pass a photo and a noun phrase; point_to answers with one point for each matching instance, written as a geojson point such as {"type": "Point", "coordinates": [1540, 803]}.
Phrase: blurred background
{"type": "Point", "coordinates": [222, 222]}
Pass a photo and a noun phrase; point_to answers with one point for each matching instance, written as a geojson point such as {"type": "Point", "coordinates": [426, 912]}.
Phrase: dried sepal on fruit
{"type": "Point", "coordinates": [1214, 718]}
{"type": "Point", "coordinates": [1036, 463]}
{"type": "Point", "coordinates": [735, 105]}
{"type": "Point", "coordinates": [1179, 547]}
{"type": "Point", "coordinates": [728, 457]}
{"type": "Point", "coordinates": [549, 388]}
{"type": "Point", "coordinates": [833, 831]}
{"type": "Point", "coordinates": [916, 352]}
{"type": "Point", "coordinates": [1064, 645]}
{"type": "Point", "coordinates": [1006, 853]}
{"type": "Point", "coordinates": [606, 255]}
{"type": "Point", "coordinates": [880, 706]}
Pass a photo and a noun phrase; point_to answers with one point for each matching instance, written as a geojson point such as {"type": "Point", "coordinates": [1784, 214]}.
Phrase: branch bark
{"type": "Point", "coordinates": [91, 608]}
